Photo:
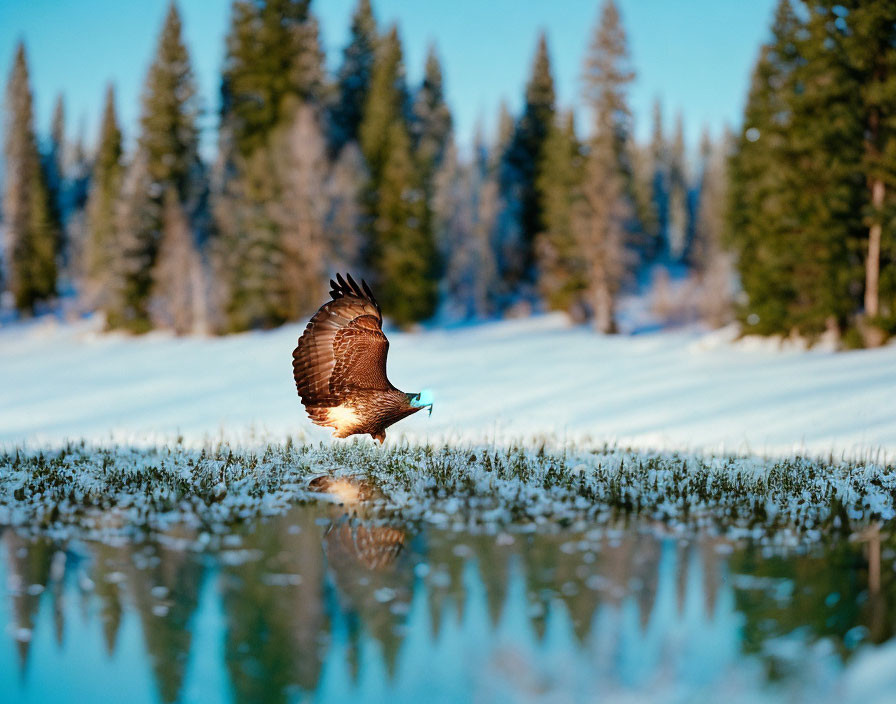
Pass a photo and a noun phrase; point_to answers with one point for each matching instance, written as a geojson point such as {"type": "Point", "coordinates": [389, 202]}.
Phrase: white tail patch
{"type": "Point", "coordinates": [342, 418]}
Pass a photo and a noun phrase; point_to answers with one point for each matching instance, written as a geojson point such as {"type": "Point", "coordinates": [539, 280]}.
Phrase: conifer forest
{"type": "Point", "coordinates": [635, 259]}
{"type": "Point", "coordinates": [785, 223]}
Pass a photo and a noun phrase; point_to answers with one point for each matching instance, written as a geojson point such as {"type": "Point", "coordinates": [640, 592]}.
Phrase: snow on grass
{"type": "Point", "coordinates": [108, 492]}
{"type": "Point", "coordinates": [521, 380]}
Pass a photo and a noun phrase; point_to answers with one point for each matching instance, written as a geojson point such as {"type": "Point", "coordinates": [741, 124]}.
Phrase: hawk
{"type": "Point", "coordinates": [340, 366]}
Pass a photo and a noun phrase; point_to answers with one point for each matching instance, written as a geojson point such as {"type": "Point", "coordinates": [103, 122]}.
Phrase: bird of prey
{"type": "Point", "coordinates": [340, 366]}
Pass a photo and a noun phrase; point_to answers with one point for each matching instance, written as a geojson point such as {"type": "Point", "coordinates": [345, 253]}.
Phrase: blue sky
{"type": "Point", "coordinates": [695, 55]}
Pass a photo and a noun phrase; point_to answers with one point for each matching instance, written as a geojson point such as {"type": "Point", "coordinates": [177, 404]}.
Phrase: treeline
{"type": "Point", "coordinates": [357, 171]}
{"type": "Point", "coordinates": [316, 173]}
{"type": "Point", "coordinates": [812, 209]}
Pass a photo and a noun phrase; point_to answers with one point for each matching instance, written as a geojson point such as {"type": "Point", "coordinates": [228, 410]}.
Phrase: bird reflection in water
{"type": "Point", "coordinates": [350, 537]}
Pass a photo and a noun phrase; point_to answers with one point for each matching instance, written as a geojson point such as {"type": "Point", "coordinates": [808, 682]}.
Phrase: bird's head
{"type": "Point", "coordinates": [421, 399]}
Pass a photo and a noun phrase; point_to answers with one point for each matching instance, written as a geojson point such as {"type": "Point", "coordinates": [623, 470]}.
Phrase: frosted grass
{"type": "Point", "coordinates": [115, 491]}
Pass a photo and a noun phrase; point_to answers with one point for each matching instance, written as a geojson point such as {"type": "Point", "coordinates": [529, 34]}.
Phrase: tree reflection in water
{"type": "Point", "coordinates": [331, 603]}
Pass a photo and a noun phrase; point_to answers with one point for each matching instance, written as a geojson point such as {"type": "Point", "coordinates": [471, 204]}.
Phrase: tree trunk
{"type": "Point", "coordinates": [872, 264]}
{"type": "Point", "coordinates": [603, 309]}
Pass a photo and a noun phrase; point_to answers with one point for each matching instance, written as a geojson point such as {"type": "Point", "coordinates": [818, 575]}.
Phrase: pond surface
{"type": "Point", "coordinates": [324, 604]}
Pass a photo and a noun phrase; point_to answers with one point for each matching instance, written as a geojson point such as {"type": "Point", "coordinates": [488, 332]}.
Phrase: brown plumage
{"type": "Point", "coordinates": [340, 366]}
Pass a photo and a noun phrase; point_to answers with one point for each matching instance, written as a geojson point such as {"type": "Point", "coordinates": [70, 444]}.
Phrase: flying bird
{"type": "Point", "coordinates": [340, 366]}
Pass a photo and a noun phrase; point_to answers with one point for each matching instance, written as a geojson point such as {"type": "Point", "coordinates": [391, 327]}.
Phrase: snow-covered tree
{"type": "Point", "coordinates": [177, 297]}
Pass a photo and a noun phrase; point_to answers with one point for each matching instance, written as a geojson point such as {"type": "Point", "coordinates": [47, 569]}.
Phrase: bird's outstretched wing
{"type": "Point", "coordinates": [342, 349]}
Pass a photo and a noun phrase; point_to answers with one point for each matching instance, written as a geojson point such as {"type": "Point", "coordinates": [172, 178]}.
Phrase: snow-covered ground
{"type": "Point", "coordinates": [519, 379]}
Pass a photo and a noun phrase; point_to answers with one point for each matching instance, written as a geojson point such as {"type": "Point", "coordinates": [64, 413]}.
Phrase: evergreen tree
{"type": "Point", "coordinates": [78, 167]}
{"type": "Point", "coordinates": [273, 54]}
{"type": "Point", "coordinates": [137, 226]}
{"type": "Point", "coordinates": [169, 135]}
{"type": "Point", "coordinates": [301, 211]}
{"type": "Point", "coordinates": [431, 136]}
{"type": "Point", "coordinates": [659, 160]}
{"type": "Point", "coordinates": [343, 230]}
{"type": "Point", "coordinates": [507, 234]}
{"type": "Point", "coordinates": [523, 156]}
{"type": "Point", "coordinates": [604, 208]}
{"type": "Point", "coordinates": [467, 207]}
{"type": "Point", "coordinates": [353, 79]}
{"type": "Point", "coordinates": [247, 250]}
{"type": "Point", "coordinates": [102, 202]}
{"type": "Point", "coordinates": [561, 275]}
{"type": "Point", "coordinates": [57, 137]}
{"type": "Point", "coordinates": [803, 174]}
{"type": "Point", "coordinates": [678, 221]}
{"type": "Point", "coordinates": [761, 216]}
{"type": "Point", "coordinates": [827, 137]}
{"type": "Point", "coordinates": [273, 68]}
{"type": "Point", "coordinates": [177, 296]}
{"type": "Point", "coordinates": [31, 226]}
{"type": "Point", "coordinates": [401, 243]}
{"type": "Point", "coordinates": [387, 103]}
{"type": "Point", "coordinates": [506, 127]}
{"type": "Point", "coordinates": [55, 157]}
{"type": "Point", "coordinates": [405, 255]}
{"type": "Point", "coordinates": [431, 125]}
{"type": "Point", "coordinates": [642, 195]}
{"type": "Point", "coordinates": [871, 46]}
{"type": "Point", "coordinates": [710, 260]}
{"type": "Point", "coordinates": [167, 158]}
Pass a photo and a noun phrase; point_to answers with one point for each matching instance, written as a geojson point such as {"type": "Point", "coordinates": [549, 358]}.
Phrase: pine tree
{"type": "Point", "coordinates": [301, 211]}
{"type": "Point", "coordinates": [401, 244]}
{"type": "Point", "coordinates": [761, 216]}
{"type": "Point", "coordinates": [488, 208]}
{"type": "Point", "coordinates": [54, 165]}
{"type": "Point", "coordinates": [678, 221]}
{"type": "Point", "coordinates": [273, 54]}
{"type": "Point", "coordinates": [523, 157]}
{"type": "Point", "coordinates": [57, 137]}
{"type": "Point", "coordinates": [605, 208]}
{"type": "Point", "coordinates": [129, 274]}
{"type": "Point", "coordinates": [431, 125]}
{"type": "Point", "coordinates": [711, 262]}
{"type": "Point", "coordinates": [827, 138]}
{"type": "Point", "coordinates": [404, 254]}
{"type": "Point", "coordinates": [453, 223]}
{"type": "Point", "coordinates": [246, 251]}
{"type": "Point", "coordinates": [102, 202]}
{"type": "Point", "coordinates": [177, 296]}
{"type": "Point", "coordinates": [354, 77]}
{"type": "Point", "coordinates": [642, 194]}
{"type": "Point", "coordinates": [659, 188]}
{"type": "Point", "coordinates": [169, 135]}
{"type": "Point", "coordinates": [871, 46]}
{"type": "Point", "coordinates": [78, 167]}
{"type": "Point", "coordinates": [166, 158]}
{"type": "Point", "coordinates": [561, 275]}
{"type": "Point", "coordinates": [343, 229]}
{"type": "Point", "coordinates": [273, 70]}
{"type": "Point", "coordinates": [508, 247]}
{"type": "Point", "coordinates": [431, 136]}
{"type": "Point", "coordinates": [32, 229]}
{"type": "Point", "coordinates": [467, 207]}
{"type": "Point", "coordinates": [387, 103]}
{"type": "Point", "coordinates": [506, 127]}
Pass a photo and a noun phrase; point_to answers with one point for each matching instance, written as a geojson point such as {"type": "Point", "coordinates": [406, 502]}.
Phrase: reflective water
{"type": "Point", "coordinates": [318, 605]}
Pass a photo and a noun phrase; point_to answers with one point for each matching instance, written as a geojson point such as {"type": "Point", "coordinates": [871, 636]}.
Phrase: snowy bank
{"type": "Point", "coordinates": [515, 380]}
